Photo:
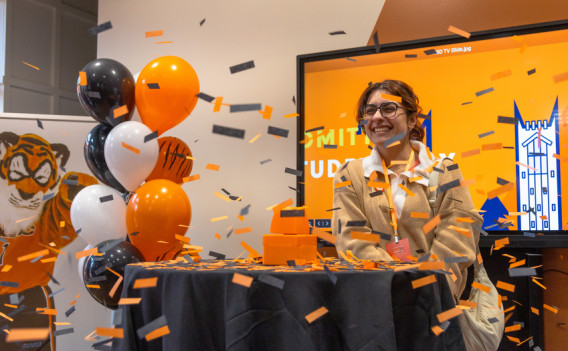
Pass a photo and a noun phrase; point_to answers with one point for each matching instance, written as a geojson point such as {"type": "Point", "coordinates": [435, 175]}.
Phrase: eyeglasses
{"type": "Point", "coordinates": [388, 110]}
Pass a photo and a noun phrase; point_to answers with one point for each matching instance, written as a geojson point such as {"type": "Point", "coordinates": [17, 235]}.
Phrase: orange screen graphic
{"type": "Point", "coordinates": [446, 84]}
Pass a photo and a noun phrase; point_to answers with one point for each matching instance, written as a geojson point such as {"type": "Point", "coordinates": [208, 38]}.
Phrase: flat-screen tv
{"type": "Point", "coordinates": [496, 103]}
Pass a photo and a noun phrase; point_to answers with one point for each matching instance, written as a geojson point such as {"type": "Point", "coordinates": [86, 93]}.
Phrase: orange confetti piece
{"type": "Point", "coordinates": [470, 304]}
{"type": "Point", "coordinates": [218, 103]}
{"type": "Point", "coordinates": [30, 65]}
{"type": "Point", "coordinates": [6, 268]}
{"type": "Point", "coordinates": [380, 185]}
{"type": "Point", "coordinates": [25, 219]}
{"type": "Point", "coordinates": [155, 33]}
{"type": "Point", "coordinates": [431, 224]}
{"type": "Point", "coordinates": [501, 74]}
{"type": "Point", "coordinates": [432, 265]}
{"type": "Point", "coordinates": [130, 148]}
{"type": "Point", "coordinates": [470, 153]}
{"type": "Point", "coordinates": [219, 218]}
{"type": "Point", "coordinates": [49, 311]}
{"type": "Point", "coordinates": [513, 339]}
{"type": "Point", "coordinates": [212, 167]}
{"type": "Point", "coordinates": [82, 78]}
{"type": "Point", "coordinates": [53, 249]}
{"type": "Point", "coordinates": [311, 317]}
{"type": "Point", "coordinates": [33, 255]}
{"type": "Point", "coordinates": [502, 242]}
{"type": "Point", "coordinates": [449, 314]}
{"type": "Point", "coordinates": [252, 252]}
{"type": "Point", "coordinates": [267, 113]}
{"type": "Point", "coordinates": [488, 147]}
{"type": "Point", "coordinates": [240, 217]}
{"type": "Point", "coordinates": [517, 264]}
{"type": "Point", "coordinates": [185, 239]}
{"type": "Point", "coordinates": [406, 190]}
{"type": "Point", "coordinates": [242, 279]}
{"type": "Point", "coordinates": [479, 258]}
{"type": "Point", "coordinates": [254, 138]}
{"type": "Point", "coordinates": [283, 205]}
{"type": "Point", "coordinates": [292, 115]}
{"type": "Point", "coordinates": [464, 220]}
{"type": "Point", "coordinates": [61, 323]}
{"type": "Point", "coordinates": [512, 328]}
{"type": "Point", "coordinates": [559, 157]}
{"type": "Point", "coordinates": [243, 230]}
{"type": "Point", "coordinates": [500, 190]}
{"type": "Point", "coordinates": [93, 286]}
{"type": "Point", "coordinates": [11, 306]}
{"type": "Point", "coordinates": [550, 308]}
{"type": "Point", "coordinates": [158, 333]}
{"type": "Point", "coordinates": [437, 330]}
{"type": "Point", "coordinates": [115, 286]}
{"type": "Point", "coordinates": [221, 196]}
{"type": "Point", "coordinates": [143, 283]}
{"type": "Point", "coordinates": [462, 231]}
{"type": "Point", "coordinates": [557, 78]}
{"type": "Point", "coordinates": [191, 178]}
{"type": "Point", "coordinates": [505, 286]}
{"type": "Point", "coordinates": [342, 184]}
{"type": "Point", "coordinates": [544, 218]}
{"type": "Point", "coordinates": [323, 235]}
{"type": "Point", "coordinates": [535, 311]}
{"type": "Point", "coordinates": [164, 42]}
{"type": "Point", "coordinates": [481, 287]}
{"type": "Point", "coordinates": [418, 283]}
{"type": "Point", "coordinates": [391, 97]}
{"type": "Point", "coordinates": [539, 284]}
{"type": "Point", "coordinates": [366, 236]}
{"type": "Point", "coordinates": [88, 252]}
{"type": "Point", "coordinates": [111, 332]}
{"type": "Point", "coordinates": [27, 334]}
{"type": "Point", "coordinates": [419, 214]}
{"type": "Point", "coordinates": [414, 179]}
{"type": "Point", "coordinates": [5, 316]}
{"type": "Point", "coordinates": [458, 31]}
{"type": "Point", "coordinates": [120, 111]}
{"type": "Point", "coordinates": [218, 236]}
{"type": "Point", "coordinates": [129, 301]}
{"type": "Point", "coordinates": [50, 259]}
{"type": "Point", "coordinates": [527, 166]}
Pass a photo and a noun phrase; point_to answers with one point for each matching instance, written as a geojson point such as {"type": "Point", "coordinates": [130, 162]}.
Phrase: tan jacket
{"type": "Point", "coordinates": [355, 203]}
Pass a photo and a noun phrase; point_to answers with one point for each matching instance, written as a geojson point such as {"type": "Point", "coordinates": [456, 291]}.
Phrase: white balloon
{"type": "Point", "coordinates": [81, 264]}
{"type": "Point", "coordinates": [96, 216]}
{"type": "Point", "coordinates": [129, 158]}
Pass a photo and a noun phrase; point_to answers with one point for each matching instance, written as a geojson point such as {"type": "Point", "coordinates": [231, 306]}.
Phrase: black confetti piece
{"type": "Point", "coordinates": [151, 326]}
{"type": "Point", "coordinates": [333, 209]}
{"type": "Point", "coordinates": [444, 325]}
{"type": "Point", "coordinates": [343, 178]}
{"type": "Point", "coordinates": [265, 161]}
{"type": "Point", "coordinates": [356, 223]}
{"type": "Point", "coordinates": [39, 124]}
{"type": "Point", "coordinates": [508, 147]}
{"type": "Point", "coordinates": [455, 259]}
{"type": "Point", "coordinates": [330, 275]}
{"type": "Point", "coordinates": [228, 131]}
{"type": "Point", "coordinates": [63, 331]}
{"type": "Point", "coordinates": [278, 131]}
{"type": "Point", "coordinates": [466, 103]}
{"type": "Point", "coordinates": [153, 86]}
{"type": "Point", "coordinates": [430, 52]}
{"type": "Point", "coordinates": [52, 278]}
{"type": "Point", "coordinates": [272, 281]}
{"type": "Point", "coordinates": [507, 120]}
{"type": "Point", "coordinates": [314, 129]}
{"type": "Point", "coordinates": [94, 94]}
{"type": "Point", "coordinates": [485, 91]}
{"type": "Point", "coordinates": [529, 234]}
{"type": "Point", "coordinates": [423, 258]}
{"type": "Point", "coordinates": [395, 138]}
{"type": "Point", "coordinates": [69, 311]}
{"type": "Point", "coordinates": [242, 67]}
{"type": "Point", "coordinates": [294, 172]}
{"type": "Point", "coordinates": [100, 345]}
{"type": "Point", "coordinates": [337, 32]}
{"type": "Point", "coordinates": [245, 107]}
{"type": "Point", "coordinates": [70, 182]}
{"type": "Point", "coordinates": [376, 193]}
{"type": "Point", "coordinates": [218, 256]}
{"type": "Point", "coordinates": [502, 181]}
{"type": "Point", "coordinates": [376, 42]}
{"type": "Point", "coordinates": [291, 188]}
{"type": "Point", "coordinates": [426, 117]}
{"type": "Point", "coordinates": [100, 28]}
{"type": "Point", "coordinates": [106, 198]}
{"type": "Point", "coordinates": [410, 56]}
{"type": "Point", "coordinates": [102, 278]}
{"type": "Point", "coordinates": [438, 170]}
{"type": "Point", "coordinates": [9, 284]}
{"type": "Point", "coordinates": [151, 136]}
{"type": "Point", "coordinates": [330, 146]}
{"type": "Point", "coordinates": [452, 167]}
{"type": "Point", "coordinates": [384, 236]}
{"type": "Point", "coordinates": [14, 299]}
{"type": "Point", "coordinates": [521, 272]}
{"type": "Point", "coordinates": [48, 196]}
{"type": "Point", "coordinates": [245, 210]}
{"type": "Point", "coordinates": [351, 59]}
{"type": "Point", "coordinates": [229, 233]}
{"type": "Point", "coordinates": [292, 213]}
{"type": "Point", "coordinates": [205, 97]}
{"type": "Point", "coordinates": [31, 345]}
{"type": "Point", "coordinates": [445, 187]}
{"type": "Point", "coordinates": [483, 135]}
{"type": "Point", "coordinates": [493, 320]}
{"type": "Point", "coordinates": [134, 234]}
{"type": "Point", "coordinates": [201, 23]}
{"type": "Point", "coordinates": [363, 122]}
{"type": "Point", "coordinates": [531, 72]}
{"type": "Point", "coordinates": [294, 100]}
{"type": "Point", "coordinates": [291, 263]}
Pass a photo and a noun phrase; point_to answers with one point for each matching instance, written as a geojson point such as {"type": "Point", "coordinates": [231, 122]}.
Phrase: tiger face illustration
{"type": "Point", "coordinates": [29, 173]}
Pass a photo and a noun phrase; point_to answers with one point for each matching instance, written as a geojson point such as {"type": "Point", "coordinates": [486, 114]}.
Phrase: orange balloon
{"type": "Point", "coordinates": [155, 213]}
{"type": "Point", "coordinates": [166, 92]}
{"type": "Point", "coordinates": [172, 161]}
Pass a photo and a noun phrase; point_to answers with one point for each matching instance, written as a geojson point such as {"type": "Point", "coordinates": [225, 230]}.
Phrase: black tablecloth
{"type": "Point", "coordinates": [368, 310]}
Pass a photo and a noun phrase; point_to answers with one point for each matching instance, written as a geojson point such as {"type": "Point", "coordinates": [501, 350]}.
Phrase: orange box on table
{"type": "Point", "coordinates": [290, 239]}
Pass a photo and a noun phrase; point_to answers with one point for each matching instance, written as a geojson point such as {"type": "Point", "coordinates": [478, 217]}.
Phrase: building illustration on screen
{"type": "Point", "coordinates": [538, 185]}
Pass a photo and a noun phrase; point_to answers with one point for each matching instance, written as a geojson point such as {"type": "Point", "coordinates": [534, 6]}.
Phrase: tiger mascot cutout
{"type": "Point", "coordinates": [35, 224]}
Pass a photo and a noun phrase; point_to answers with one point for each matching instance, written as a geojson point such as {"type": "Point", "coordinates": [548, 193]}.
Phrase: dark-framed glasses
{"type": "Point", "coordinates": [388, 110]}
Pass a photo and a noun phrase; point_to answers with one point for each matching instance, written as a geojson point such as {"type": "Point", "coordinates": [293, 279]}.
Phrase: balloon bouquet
{"type": "Point", "coordinates": [123, 154]}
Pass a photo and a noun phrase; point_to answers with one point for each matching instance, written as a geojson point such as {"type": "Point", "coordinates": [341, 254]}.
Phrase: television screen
{"type": "Point", "coordinates": [496, 103]}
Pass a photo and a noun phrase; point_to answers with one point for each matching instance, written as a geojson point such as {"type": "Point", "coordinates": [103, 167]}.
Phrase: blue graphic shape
{"type": "Point", "coordinates": [495, 210]}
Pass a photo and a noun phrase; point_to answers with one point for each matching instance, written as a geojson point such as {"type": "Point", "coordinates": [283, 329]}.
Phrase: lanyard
{"type": "Point", "coordinates": [392, 206]}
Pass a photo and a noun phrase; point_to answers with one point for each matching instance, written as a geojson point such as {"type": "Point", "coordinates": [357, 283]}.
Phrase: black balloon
{"type": "Point", "coordinates": [110, 85]}
{"type": "Point", "coordinates": [94, 152]}
{"type": "Point", "coordinates": [116, 255]}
